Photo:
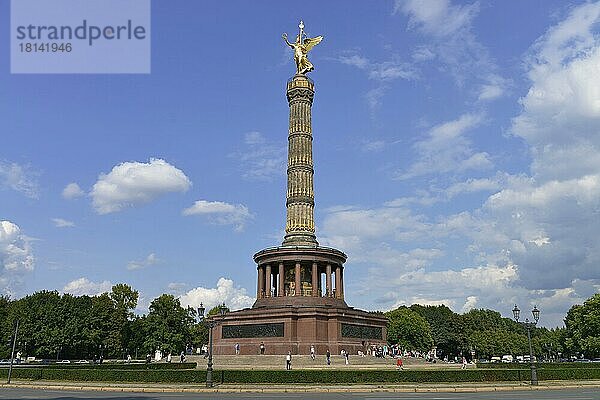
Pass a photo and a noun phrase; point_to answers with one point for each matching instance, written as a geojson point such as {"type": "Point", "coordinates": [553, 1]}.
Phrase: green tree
{"type": "Point", "coordinates": [583, 328]}
{"type": "Point", "coordinates": [5, 326]}
{"type": "Point", "coordinates": [167, 325]}
{"type": "Point", "coordinates": [124, 299]}
{"type": "Point", "coordinates": [446, 329]}
{"type": "Point", "coordinates": [409, 330]}
{"type": "Point", "coordinates": [216, 311]}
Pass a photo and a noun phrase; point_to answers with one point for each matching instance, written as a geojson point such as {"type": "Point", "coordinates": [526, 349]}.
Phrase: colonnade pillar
{"type": "Point", "coordinates": [314, 279]}
{"type": "Point", "coordinates": [338, 281]}
{"type": "Point", "coordinates": [297, 276]}
{"type": "Point", "coordinates": [281, 280]}
{"type": "Point", "coordinates": [268, 280]}
{"type": "Point", "coordinates": [342, 283]}
{"type": "Point", "coordinates": [328, 279]}
{"type": "Point", "coordinates": [261, 282]}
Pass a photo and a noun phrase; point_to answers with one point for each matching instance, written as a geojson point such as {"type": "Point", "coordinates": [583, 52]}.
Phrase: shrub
{"type": "Point", "coordinates": [298, 376]}
{"type": "Point", "coordinates": [568, 365]}
{"type": "Point", "coordinates": [123, 366]}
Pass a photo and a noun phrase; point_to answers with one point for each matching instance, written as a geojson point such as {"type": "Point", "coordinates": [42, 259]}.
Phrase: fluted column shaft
{"type": "Point", "coordinates": [300, 223]}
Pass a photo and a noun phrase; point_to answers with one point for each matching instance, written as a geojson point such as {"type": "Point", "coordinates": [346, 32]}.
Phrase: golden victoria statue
{"type": "Point", "coordinates": [301, 48]}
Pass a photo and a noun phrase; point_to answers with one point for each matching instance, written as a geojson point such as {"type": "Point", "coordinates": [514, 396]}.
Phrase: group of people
{"type": "Point", "coordinates": [288, 357]}
{"type": "Point", "coordinates": [159, 356]}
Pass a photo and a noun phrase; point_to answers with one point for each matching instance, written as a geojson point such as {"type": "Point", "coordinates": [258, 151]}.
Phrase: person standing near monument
{"type": "Point", "coordinates": [288, 361]}
{"type": "Point", "coordinates": [328, 357]}
{"type": "Point", "coordinates": [399, 363]}
{"type": "Point", "coordinates": [237, 349]}
{"type": "Point", "coordinates": [262, 348]}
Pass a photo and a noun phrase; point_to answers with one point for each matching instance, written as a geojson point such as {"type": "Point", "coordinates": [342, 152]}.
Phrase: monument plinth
{"type": "Point", "coordinates": [300, 285]}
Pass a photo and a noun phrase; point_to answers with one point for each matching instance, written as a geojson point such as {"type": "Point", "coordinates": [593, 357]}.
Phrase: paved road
{"type": "Point", "coordinates": [566, 394]}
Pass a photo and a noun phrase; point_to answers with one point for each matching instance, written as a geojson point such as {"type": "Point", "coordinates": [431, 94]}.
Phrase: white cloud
{"type": "Point", "coordinates": [490, 91]}
{"type": "Point", "coordinates": [16, 258]}
{"type": "Point", "coordinates": [83, 286]}
{"type": "Point", "coordinates": [151, 259]}
{"type": "Point", "coordinates": [177, 287]}
{"type": "Point", "coordinates": [134, 183]}
{"type": "Point", "coordinates": [453, 44]}
{"type": "Point", "coordinates": [20, 178]}
{"type": "Point", "coordinates": [379, 71]}
{"type": "Point", "coordinates": [446, 149]}
{"type": "Point", "coordinates": [470, 304]}
{"type": "Point", "coordinates": [437, 17]}
{"type": "Point", "coordinates": [62, 223]}
{"type": "Point", "coordinates": [473, 185]}
{"type": "Point", "coordinates": [374, 145]}
{"type": "Point", "coordinates": [410, 258]}
{"type": "Point", "coordinates": [560, 116]}
{"type": "Point", "coordinates": [221, 213]}
{"type": "Point", "coordinates": [15, 249]}
{"type": "Point", "coordinates": [374, 96]}
{"type": "Point", "coordinates": [260, 159]}
{"type": "Point", "coordinates": [72, 191]}
{"type": "Point", "coordinates": [234, 297]}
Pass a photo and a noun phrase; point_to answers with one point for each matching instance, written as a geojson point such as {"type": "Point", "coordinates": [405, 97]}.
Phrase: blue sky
{"type": "Point", "coordinates": [455, 145]}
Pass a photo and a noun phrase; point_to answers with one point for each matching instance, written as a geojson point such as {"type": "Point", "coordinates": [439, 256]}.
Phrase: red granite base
{"type": "Point", "coordinates": [302, 327]}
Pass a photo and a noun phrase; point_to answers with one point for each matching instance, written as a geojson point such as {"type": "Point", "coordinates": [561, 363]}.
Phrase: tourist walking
{"type": "Point", "coordinates": [328, 357]}
{"type": "Point", "coordinates": [399, 363]}
{"type": "Point", "coordinates": [237, 349]}
{"type": "Point", "coordinates": [464, 363]}
{"type": "Point", "coordinates": [182, 357]}
{"type": "Point", "coordinates": [346, 357]}
{"type": "Point", "coordinates": [288, 361]}
{"type": "Point", "coordinates": [169, 357]}
{"type": "Point", "coordinates": [262, 348]}
{"type": "Point", "coordinates": [312, 351]}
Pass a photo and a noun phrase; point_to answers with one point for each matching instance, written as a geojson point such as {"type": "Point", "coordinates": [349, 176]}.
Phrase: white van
{"type": "Point", "coordinates": [507, 358]}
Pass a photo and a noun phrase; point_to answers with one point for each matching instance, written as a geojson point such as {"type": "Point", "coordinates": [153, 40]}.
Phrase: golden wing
{"type": "Point", "coordinates": [309, 43]}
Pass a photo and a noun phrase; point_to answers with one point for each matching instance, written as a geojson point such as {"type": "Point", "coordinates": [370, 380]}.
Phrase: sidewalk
{"type": "Point", "coordinates": [270, 388]}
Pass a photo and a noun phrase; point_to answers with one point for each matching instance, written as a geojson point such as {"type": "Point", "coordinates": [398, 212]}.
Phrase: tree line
{"type": "Point", "coordinates": [485, 333]}
{"type": "Point", "coordinates": [64, 326]}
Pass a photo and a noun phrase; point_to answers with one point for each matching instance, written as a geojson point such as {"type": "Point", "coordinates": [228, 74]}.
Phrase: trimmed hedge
{"type": "Point", "coordinates": [567, 365]}
{"type": "Point", "coordinates": [369, 376]}
{"type": "Point", "coordinates": [299, 376]}
{"type": "Point", "coordinates": [119, 366]}
{"type": "Point", "coordinates": [107, 375]}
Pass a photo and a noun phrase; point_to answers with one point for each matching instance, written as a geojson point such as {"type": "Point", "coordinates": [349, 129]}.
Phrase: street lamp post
{"type": "Point", "coordinates": [528, 325]}
{"type": "Point", "coordinates": [210, 323]}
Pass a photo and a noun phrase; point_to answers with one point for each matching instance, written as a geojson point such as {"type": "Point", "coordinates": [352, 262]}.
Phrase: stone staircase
{"type": "Point", "coordinates": [258, 362]}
